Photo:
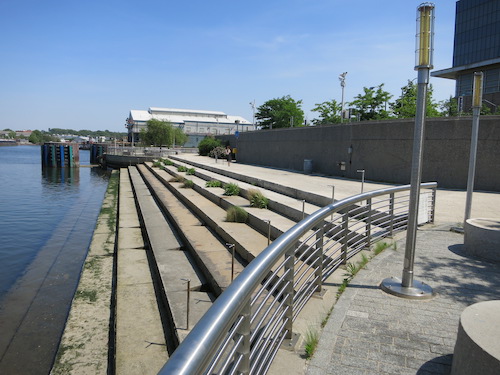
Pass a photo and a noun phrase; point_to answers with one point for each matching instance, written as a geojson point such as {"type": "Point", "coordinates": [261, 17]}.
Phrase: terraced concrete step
{"type": "Point", "coordinates": [248, 242]}
{"type": "Point", "coordinates": [173, 266]}
{"type": "Point", "coordinates": [211, 256]}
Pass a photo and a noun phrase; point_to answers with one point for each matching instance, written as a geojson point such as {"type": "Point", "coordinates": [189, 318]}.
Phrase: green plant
{"type": "Point", "coordinates": [219, 152]}
{"type": "Point", "coordinates": [157, 164]}
{"type": "Point", "coordinates": [188, 184]}
{"type": "Point", "coordinates": [342, 288]}
{"type": "Point", "coordinates": [231, 189]}
{"type": "Point", "coordinates": [190, 171]}
{"type": "Point", "coordinates": [257, 199]}
{"type": "Point", "coordinates": [207, 144]}
{"type": "Point", "coordinates": [181, 168]}
{"type": "Point", "coordinates": [380, 246]}
{"type": "Point", "coordinates": [177, 178]}
{"type": "Point", "coordinates": [213, 183]}
{"type": "Point", "coordinates": [236, 214]}
{"type": "Point", "coordinates": [311, 338]}
{"type": "Point", "coordinates": [167, 161]}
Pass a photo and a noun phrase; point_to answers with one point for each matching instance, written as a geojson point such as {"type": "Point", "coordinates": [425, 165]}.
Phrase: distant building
{"type": "Point", "coordinates": [476, 49]}
{"type": "Point", "coordinates": [196, 124]}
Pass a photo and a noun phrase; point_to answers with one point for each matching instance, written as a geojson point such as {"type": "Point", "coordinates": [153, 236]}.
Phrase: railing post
{"type": "Point", "coordinates": [345, 235]}
{"type": "Point", "coordinates": [369, 222]}
{"type": "Point", "coordinates": [391, 214]}
{"type": "Point", "coordinates": [433, 209]}
{"type": "Point", "coordinates": [244, 348]}
{"type": "Point", "coordinates": [318, 271]}
{"type": "Point", "coordinates": [288, 292]}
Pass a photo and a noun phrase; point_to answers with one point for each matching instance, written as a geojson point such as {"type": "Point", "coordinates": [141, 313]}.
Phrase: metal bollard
{"type": "Point", "coordinates": [231, 246]}
{"type": "Point", "coordinates": [303, 208]}
{"type": "Point", "coordinates": [268, 231]}
{"type": "Point", "coordinates": [362, 171]}
{"type": "Point", "coordinates": [188, 291]}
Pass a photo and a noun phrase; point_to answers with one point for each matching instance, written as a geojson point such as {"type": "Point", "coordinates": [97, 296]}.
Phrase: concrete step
{"type": "Point", "coordinates": [211, 255]}
{"type": "Point", "coordinates": [172, 265]}
{"type": "Point", "coordinates": [140, 339]}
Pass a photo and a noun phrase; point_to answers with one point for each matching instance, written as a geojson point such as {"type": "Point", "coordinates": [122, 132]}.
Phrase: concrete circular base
{"type": "Point", "coordinates": [477, 350]}
{"type": "Point", "coordinates": [482, 238]}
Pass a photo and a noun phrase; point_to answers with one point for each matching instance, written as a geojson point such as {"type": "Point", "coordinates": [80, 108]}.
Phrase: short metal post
{"type": "Point", "coordinates": [362, 171]}
{"type": "Point", "coordinates": [268, 231]}
{"type": "Point", "coordinates": [231, 246]}
{"type": "Point", "coordinates": [391, 214]}
{"type": "Point", "coordinates": [368, 226]}
{"type": "Point", "coordinates": [303, 208]}
{"type": "Point", "coordinates": [345, 237]}
{"type": "Point", "coordinates": [318, 271]}
{"type": "Point", "coordinates": [288, 291]}
{"type": "Point", "coordinates": [188, 292]}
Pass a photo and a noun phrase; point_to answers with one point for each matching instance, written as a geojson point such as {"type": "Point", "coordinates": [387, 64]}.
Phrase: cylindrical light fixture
{"type": "Point", "coordinates": [425, 36]}
{"type": "Point", "coordinates": [477, 91]}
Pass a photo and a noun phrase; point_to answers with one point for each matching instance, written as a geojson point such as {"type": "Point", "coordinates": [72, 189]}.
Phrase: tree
{"type": "Point", "coordinates": [207, 144]}
{"type": "Point", "coordinates": [329, 113]}
{"type": "Point", "coordinates": [449, 107]}
{"type": "Point", "coordinates": [281, 112]}
{"type": "Point", "coordinates": [179, 137]}
{"type": "Point", "coordinates": [406, 105]}
{"type": "Point", "coordinates": [161, 133]}
{"type": "Point", "coordinates": [37, 137]}
{"type": "Point", "coordinates": [372, 105]}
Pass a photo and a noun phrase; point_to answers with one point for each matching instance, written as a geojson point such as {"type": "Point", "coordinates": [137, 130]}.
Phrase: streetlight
{"type": "Point", "coordinates": [342, 84]}
{"type": "Point", "coordinates": [252, 104]}
{"type": "Point", "coordinates": [477, 96]}
{"type": "Point", "coordinates": [407, 287]}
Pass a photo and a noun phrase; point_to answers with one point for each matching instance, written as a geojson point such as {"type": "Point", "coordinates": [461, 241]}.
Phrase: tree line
{"type": "Point", "coordinates": [373, 104]}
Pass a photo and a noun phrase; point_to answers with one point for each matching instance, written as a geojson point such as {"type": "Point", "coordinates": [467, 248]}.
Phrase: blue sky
{"type": "Point", "coordinates": [86, 64]}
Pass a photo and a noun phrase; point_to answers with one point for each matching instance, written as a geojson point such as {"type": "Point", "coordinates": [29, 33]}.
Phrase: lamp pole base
{"type": "Point", "coordinates": [419, 290]}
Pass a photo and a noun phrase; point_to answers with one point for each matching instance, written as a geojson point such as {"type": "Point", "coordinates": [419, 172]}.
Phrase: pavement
{"type": "Point", "coordinates": [371, 332]}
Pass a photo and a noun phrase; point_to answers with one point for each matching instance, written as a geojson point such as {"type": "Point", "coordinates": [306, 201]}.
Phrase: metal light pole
{"type": "Point", "coordinates": [252, 104]}
{"type": "Point", "coordinates": [342, 84]}
{"type": "Point", "coordinates": [407, 287]}
{"type": "Point", "coordinates": [477, 96]}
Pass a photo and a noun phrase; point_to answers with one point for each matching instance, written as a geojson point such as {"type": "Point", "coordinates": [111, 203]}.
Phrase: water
{"type": "Point", "coordinates": [47, 218]}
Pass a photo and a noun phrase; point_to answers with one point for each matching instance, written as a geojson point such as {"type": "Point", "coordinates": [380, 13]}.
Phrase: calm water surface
{"type": "Point", "coordinates": [47, 218]}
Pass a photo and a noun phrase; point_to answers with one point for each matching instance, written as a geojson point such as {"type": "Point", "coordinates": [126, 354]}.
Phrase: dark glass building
{"type": "Point", "coordinates": [476, 48]}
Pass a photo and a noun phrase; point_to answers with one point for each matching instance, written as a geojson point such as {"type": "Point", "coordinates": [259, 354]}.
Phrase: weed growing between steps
{"type": "Point", "coordinates": [213, 183]}
{"type": "Point", "coordinates": [236, 214]}
{"type": "Point", "coordinates": [188, 184]}
{"type": "Point", "coordinates": [190, 171]}
{"type": "Point", "coordinates": [177, 179]}
{"type": "Point", "coordinates": [181, 168]}
{"type": "Point", "coordinates": [167, 161]}
{"type": "Point", "coordinates": [257, 199]}
{"type": "Point", "coordinates": [311, 339]}
{"type": "Point", "coordinates": [231, 189]}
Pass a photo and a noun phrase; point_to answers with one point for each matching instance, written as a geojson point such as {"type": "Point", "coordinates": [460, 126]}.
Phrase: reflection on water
{"type": "Point", "coordinates": [48, 217]}
{"type": "Point", "coordinates": [61, 175]}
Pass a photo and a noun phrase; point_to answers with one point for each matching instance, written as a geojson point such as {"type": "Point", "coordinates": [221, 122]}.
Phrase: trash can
{"type": "Point", "coordinates": [308, 166]}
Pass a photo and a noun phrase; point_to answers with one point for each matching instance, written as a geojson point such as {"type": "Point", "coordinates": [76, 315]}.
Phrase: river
{"type": "Point", "coordinates": [47, 217]}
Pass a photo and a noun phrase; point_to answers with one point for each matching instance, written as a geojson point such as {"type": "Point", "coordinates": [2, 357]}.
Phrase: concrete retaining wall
{"type": "Point", "coordinates": [382, 148]}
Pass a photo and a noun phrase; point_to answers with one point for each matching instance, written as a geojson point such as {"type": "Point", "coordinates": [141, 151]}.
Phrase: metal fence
{"type": "Point", "coordinates": [245, 327]}
{"type": "Point", "coordinates": [158, 152]}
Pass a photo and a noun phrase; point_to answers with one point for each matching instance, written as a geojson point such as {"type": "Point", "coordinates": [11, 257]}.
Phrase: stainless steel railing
{"type": "Point", "coordinates": [245, 327]}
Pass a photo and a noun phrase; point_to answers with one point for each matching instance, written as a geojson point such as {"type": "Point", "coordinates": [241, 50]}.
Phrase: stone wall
{"type": "Point", "coordinates": [382, 148]}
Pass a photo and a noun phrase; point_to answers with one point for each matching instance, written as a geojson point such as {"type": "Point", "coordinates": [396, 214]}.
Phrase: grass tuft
{"type": "Point", "coordinates": [236, 214]}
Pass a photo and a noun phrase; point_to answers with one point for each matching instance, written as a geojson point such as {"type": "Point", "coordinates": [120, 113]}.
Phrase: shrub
{"type": "Point", "coordinates": [157, 164]}
{"type": "Point", "coordinates": [181, 168]}
{"type": "Point", "coordinates": [167, 162]}
{"type": "Point", "coordinates": [208, 144]}
{"type": "Point", "coordinates": [190, 171]}
{"type": "Point", "coordinates": [236, 214]}
{"type": "Point", "coordinates": [188, 184]}
{"type": "Point", "coordinates": [177, 179]}
{"type": "Point", "coordinates": [231, 189]}
{"type": "Point", "coordinates": [257, 199]}
{"type": "Point", "coordinates": [219, 151]}
{"type": "Point", "coordinates": [213, 183]}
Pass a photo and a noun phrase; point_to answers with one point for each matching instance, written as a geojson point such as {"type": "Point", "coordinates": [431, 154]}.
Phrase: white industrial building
{"type": "Point", "coordinates": [196, 124]}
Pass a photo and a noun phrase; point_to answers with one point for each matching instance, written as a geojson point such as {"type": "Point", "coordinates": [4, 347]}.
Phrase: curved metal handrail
{"type": "Point", "coordinates": [231, 309]}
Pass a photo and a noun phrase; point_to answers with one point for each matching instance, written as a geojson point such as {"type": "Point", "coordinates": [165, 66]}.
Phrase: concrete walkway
{"type": "Point", "coordinates": [371, 332]}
